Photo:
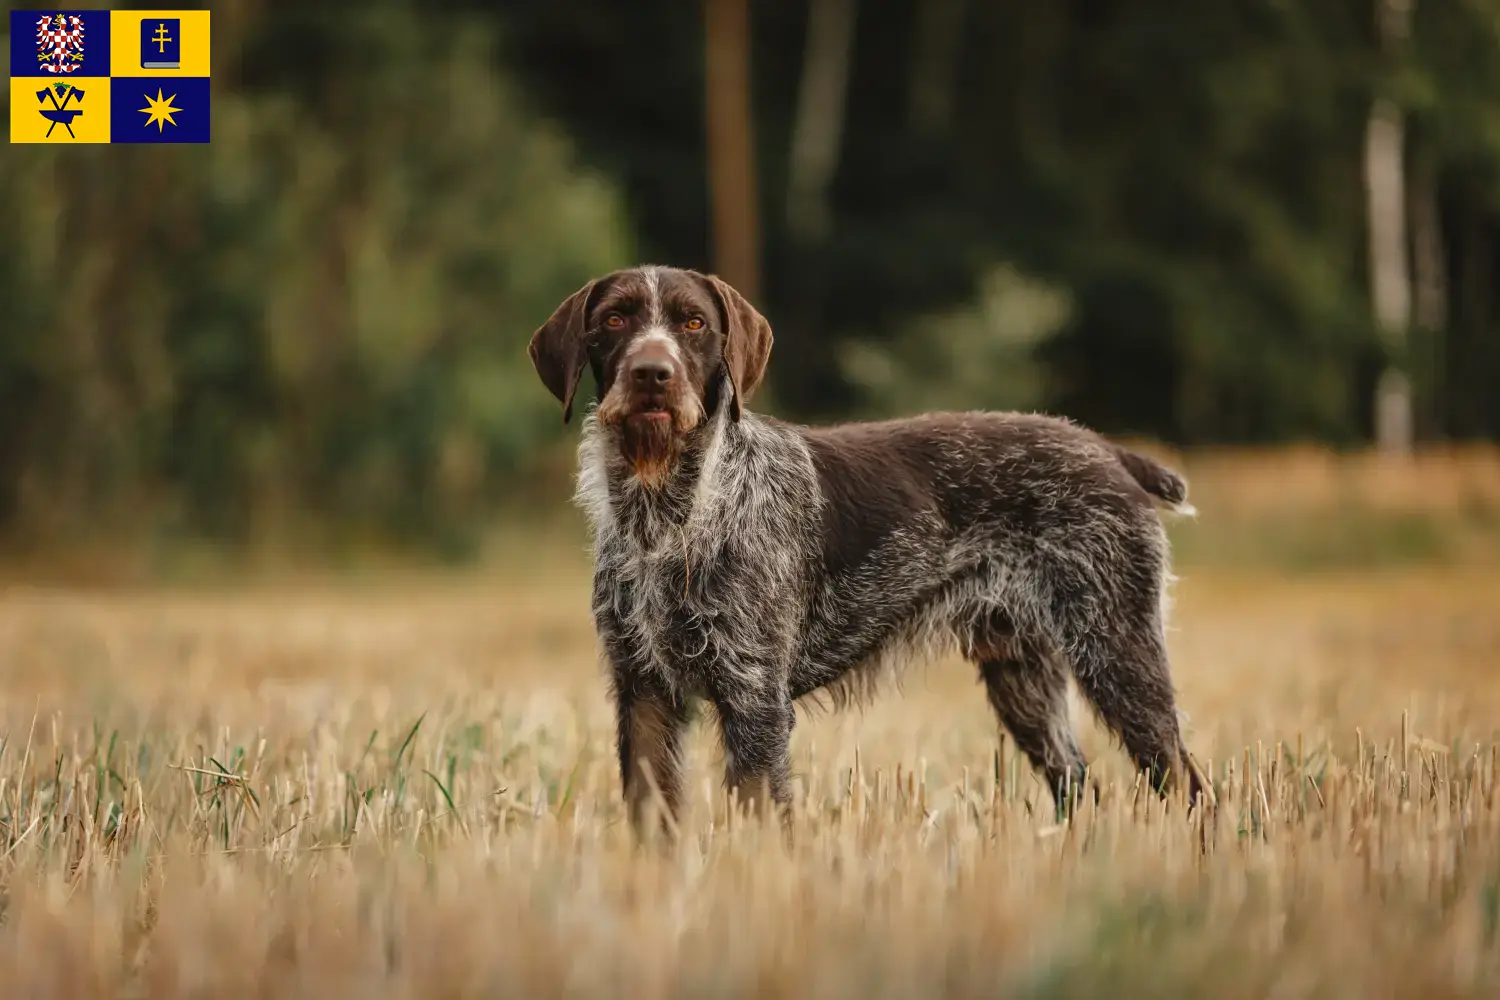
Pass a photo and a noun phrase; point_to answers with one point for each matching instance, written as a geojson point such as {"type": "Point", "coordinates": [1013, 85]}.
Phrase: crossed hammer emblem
{"type": "Point", "coordinates": [60, 113]}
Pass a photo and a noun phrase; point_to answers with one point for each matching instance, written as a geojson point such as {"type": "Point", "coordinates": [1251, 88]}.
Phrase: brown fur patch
{"type": "Point", "coordinates": [651, 447]}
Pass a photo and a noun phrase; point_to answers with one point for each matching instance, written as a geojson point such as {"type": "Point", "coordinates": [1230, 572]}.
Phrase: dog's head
{"type": "Point", "coordinates": [658, 340]}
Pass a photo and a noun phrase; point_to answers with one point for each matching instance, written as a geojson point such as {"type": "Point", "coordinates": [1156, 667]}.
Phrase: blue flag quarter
{"type": "Point", "coordinates": [162, 109]}
{"type": "Point", "coordinates": [59, 44]}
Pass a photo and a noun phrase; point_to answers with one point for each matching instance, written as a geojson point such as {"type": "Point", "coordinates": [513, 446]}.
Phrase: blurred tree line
{"type": "Point", "coordinates": [1152, 217]}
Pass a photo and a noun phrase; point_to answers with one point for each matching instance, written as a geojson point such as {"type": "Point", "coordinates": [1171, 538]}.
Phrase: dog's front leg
{"type": "Point", "coordinates": [755, 719]}
{"type": "Point", "coordinates": [651, 725]}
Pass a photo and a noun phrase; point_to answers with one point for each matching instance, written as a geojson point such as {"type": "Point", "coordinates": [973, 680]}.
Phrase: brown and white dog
{"type": "Point", "coordinates": [751, 562]}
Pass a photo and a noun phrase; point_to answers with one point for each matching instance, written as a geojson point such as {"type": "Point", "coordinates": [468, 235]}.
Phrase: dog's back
{"type": "Point", "coordinates": [977, 465]}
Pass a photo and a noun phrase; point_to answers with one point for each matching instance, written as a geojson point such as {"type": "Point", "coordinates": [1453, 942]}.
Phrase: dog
{"type": "Point", "coordinates": [750, 562]}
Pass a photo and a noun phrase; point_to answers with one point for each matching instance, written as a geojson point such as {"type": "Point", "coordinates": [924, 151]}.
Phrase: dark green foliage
{"type": "Point", "coordinates": [323, 312]}
{"type": "Point", "coordinates": [1190, 175]}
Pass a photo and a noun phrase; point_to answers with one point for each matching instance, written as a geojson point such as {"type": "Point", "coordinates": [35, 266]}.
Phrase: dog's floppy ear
{"type": "Point", "coordinates": [747, 342]}
{"type": "Point", "coordinates": [557, 347]}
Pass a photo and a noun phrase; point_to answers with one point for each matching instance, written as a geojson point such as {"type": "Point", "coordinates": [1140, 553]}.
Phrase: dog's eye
{"type": "Point", "coordinates": [614, 321]}
{"type": "Point", "coordinates": [694, 324]}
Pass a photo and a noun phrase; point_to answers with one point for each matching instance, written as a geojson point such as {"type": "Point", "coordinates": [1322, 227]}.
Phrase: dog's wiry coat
{"type": "Point", "coordinates": [773, 562]}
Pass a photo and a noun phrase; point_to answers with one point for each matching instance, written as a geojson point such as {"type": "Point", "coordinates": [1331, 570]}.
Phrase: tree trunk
{"type": "Point", "coordinates": [1390, 277]}
{"type": "Point", "coordinates": [1429, 266]}
{"type": "Point", "coordinates": [731, 145]}
{"type": "Point", "coordinates": [1467, 412]}
{"type": "Point", "coordinates": [934, 63]}
{"type": "Point", "coordinates": [819, 127]}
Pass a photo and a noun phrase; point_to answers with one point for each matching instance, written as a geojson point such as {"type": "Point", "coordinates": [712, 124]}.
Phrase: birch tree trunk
{"type": "Point", "coordinates": [818, 129]}
{"type": "Point", "coordinates": [731, 145]}
{"type": "Point", "coordinates": [1390, 274]}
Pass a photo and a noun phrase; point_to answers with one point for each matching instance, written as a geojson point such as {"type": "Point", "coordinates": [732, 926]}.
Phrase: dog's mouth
{"type": "Point", "coordinates": [642, 412]}
{"type": "Point", "coordinates": [660, 413]}
{"type": "Point", "coordinates": [651, 411]}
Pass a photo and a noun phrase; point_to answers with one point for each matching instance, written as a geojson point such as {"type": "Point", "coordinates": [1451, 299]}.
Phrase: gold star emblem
{"type": "Point", "coordinates": [160, 110]}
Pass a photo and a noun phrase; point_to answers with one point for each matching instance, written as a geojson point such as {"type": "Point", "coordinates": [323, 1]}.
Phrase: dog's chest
{"type": "Point", "coordinates": [669, 610]}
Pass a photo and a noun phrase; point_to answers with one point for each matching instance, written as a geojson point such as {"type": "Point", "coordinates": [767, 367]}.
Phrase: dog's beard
{"type": "Point", "coordinates": [652, 446]}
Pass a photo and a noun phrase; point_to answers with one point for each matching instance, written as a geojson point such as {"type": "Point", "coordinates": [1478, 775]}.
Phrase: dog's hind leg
{"type": "Point", "coordinates": [1119, 659]}
{"type": "Point", "coordinates": [1029, 692]}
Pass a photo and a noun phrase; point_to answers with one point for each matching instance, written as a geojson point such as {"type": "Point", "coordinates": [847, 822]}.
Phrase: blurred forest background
{"type": "Point", "coordinates": [1246, 222]}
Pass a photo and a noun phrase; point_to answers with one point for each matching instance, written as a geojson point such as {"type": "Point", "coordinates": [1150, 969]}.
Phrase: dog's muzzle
{"type": "Point", "coordinates": [655, 383]}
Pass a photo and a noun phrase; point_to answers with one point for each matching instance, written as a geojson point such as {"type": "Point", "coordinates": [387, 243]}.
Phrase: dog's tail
{"type": "Point", "coordinates": [1156, 479]}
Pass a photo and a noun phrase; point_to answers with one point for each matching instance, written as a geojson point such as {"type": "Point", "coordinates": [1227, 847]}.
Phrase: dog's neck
{"type": "Point", "coordinates": [618, 501]}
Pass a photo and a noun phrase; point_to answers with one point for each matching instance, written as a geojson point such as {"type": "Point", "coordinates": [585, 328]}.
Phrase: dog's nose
{"type": "Point", "coordinates": [648, 372]}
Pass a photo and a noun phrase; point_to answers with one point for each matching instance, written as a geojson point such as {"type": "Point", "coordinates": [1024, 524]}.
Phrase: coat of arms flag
{"type": "Point", "coordinates": [102, 76]}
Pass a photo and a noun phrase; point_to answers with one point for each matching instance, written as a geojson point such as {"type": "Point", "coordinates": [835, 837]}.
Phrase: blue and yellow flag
{"type": "Point", "coordinates": [109, 76]}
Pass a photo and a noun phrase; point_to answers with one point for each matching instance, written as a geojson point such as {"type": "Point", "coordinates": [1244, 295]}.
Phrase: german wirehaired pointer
{"type": "Point", "coordinates": [749, 562]}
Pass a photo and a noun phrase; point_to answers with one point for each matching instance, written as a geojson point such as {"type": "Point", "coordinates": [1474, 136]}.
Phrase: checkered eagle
{"type": "Point", "coordinates": [59, 42]}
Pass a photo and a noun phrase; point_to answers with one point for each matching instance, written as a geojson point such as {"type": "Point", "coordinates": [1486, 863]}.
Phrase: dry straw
{"type": "Point", "coordinates": [410, 794]}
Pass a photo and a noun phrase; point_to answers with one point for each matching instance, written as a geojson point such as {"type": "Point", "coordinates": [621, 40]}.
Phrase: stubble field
{"type": "Point", "coordinates": [406, 787]}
